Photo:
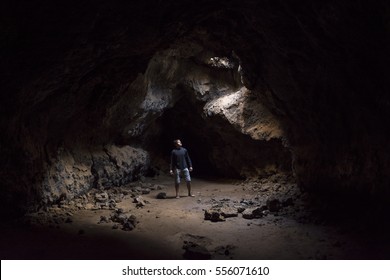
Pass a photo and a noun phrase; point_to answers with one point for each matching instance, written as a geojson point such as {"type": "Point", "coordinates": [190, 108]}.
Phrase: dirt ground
{"type": "Point", "coordinates": [167, 226]}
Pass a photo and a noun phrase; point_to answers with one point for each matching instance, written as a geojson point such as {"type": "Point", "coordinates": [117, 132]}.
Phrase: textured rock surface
{"type": "Point", "coordinates": [99, 74]}
{"type": "Point", "coordinates": [76, 172]}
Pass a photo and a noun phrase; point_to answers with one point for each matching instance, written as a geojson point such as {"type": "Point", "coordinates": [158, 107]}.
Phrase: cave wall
{"type": "Point", "coordinates": [326, 77]}
{"type": "Point", "coordinates": [74, 77]}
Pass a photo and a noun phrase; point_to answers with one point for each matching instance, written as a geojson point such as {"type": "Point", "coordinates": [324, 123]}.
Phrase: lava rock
{"type": "Point", "coordinates": [145, 191]}
{"type": "Point", "coordinates": [119, 218]}
{"type": "Point", "coordinates": [273, 204]}
{"type": "Point", "coordinates": [194, 251]}
{"type": "Point", "coordinates": [213, 215]}
{"type": "Point", "coordinates": [161, 195]}
{"type": "Point", "coordinates": [253, 213]}
{"type": "Point", "coordinates": [228, 212]}
{"type": "Point", "coordinates": [103, 219]}
{"type": "Point", "coordinates": [115, 226]}
{"type": "Point", "coordinates": [101, 197]}
{"type": "Point", "coordinates": [128, 226]}
{"type": "Point", "coordinates": [130, 223]}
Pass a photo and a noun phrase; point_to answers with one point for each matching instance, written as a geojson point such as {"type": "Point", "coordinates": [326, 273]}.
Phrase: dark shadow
{"type": "Point", "coordinates": [46, 243]}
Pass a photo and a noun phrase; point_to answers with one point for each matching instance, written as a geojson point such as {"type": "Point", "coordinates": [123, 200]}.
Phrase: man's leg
{"type": "Point", "coordinates": [177, 190]}
{"type": "Point", "coordinates": [189, 188]}
{"type": "Point", "coordinates": [188, 181]}
{"type": "Point", "coordinates": [177, 182]}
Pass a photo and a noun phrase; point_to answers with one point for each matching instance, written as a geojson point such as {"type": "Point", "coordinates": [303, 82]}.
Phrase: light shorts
{"type": "Point", "coordinates": [186, 174]}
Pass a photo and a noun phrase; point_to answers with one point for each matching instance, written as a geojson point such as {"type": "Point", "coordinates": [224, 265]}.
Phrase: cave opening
{"type": "Point", "coordinates": [185, 122]}
{"type": "Point", "coordinates": [201, 99]}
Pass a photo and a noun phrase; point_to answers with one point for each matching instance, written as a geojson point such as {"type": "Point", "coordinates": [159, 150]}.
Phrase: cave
{"type": "Point", "coordinates": [274, 98]}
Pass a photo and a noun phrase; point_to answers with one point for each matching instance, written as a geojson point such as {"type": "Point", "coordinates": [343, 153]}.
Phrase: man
{"type": "Point", "coordinates": [180, 164]}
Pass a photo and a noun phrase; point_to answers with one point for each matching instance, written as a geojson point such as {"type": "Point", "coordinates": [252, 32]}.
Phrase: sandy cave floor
{"type": "Point", "coordinates": [165, 225]}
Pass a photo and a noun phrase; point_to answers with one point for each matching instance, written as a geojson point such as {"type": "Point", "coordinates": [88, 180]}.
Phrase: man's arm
{"type": "Point", "coordinates": [187, 158]}
{"type": "Point", "coordinates": [171, 164]}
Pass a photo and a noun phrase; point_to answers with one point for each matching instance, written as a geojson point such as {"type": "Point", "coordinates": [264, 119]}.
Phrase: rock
{"type": "Point", "coordinates": [273, 204]}
{"type": "Point", "coordinates": [115, 226]}
{"type": "Point", "coordinates": [79, 205]}
{"type": "Point", "coordinates": [103, 219]}
{"type": "Point", "coordinates": [245, 202]}
{"type": "Point", "coordinates": [137, 199]}
{"type": "Point", "coordinates": [101, 197]}
{"type": "Point", "coordinates": [213, 215]}
{"type": "Point", "coordinates": [253, 213]}
{"type": "Point", "coordinates": [259, 211]}
{"type": "Point", "coordinates": [133, 219]}
{"type": "Point", "coordinates": [130, 223]}
{"type": "Point", "coordinates": [194, 251]}
{"type": "Point", "coordinates": [161, 195]}
{"type": "Point", "coordinates": [247, 214]}
{"type": "Point", "coordinates": [128, 226]}
{"type": "Point", "coordinates": [140, 201]}
{"type": "Point", "coordinates": [137, 189]}
{"type": "Point", "coordinates": [112, 204]}
{"type": "Point", "coordinates": [140, 204]}
{"type": "Point", "coordinates": [228, 212]}
{"type": "Point", "coordinates": [145, 191]}
{"type": "Point", "coordinates": [119, 218]}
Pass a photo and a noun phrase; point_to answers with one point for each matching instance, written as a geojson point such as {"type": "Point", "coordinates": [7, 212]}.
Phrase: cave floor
{"type": "Point", "coordinates": [165, 225]}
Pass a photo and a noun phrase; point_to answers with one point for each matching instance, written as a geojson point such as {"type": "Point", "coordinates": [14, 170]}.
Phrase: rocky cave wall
{"type": "Point", "coordinates": [81, 93]}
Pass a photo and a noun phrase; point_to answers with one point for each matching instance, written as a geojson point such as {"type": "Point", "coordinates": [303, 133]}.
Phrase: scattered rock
{"type": "Point", "coordinates": [79, 205]}
{"type": "Point", "coordinates": [145, 191]}
{"type": "Point", "coordinates": [119, 218]}
{"type": "Point", "coordinates": [228, 212]}
{"type": "Point", "coordinates": [161, 195]}
{"type": "Point", "coordinates": [103, 219]}
{"type": "Point", "coordinates": [259, 211]}
{"type": "Point", "coordinates": [128, 226]}
{"type": "Point", "coordinates": [247, 214]}
{"type": "Point", "coordinates": [128, 222]}
{"type": "Point", "coordinates": [273, 204]}
{"type": "Point", "coordinates": [140, 201]}
{"type": "Point", "coordinates": [102, 197]}
{"type": "Point", "coordinates": [213, 215]}
{"type": "Point", "coordinates": [115, 226]}
{"type": "Point", "coordinates": [194, 251]}
{"type": "Point", "coordinates": [253, 213]}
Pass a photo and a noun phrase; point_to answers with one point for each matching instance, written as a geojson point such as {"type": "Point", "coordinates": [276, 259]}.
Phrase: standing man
{"type": "Point", "coordinates": [180, 164]}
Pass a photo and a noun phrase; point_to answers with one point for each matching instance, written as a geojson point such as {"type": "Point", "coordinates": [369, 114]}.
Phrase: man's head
{"type": "Point", "coordinates": [177, 143]}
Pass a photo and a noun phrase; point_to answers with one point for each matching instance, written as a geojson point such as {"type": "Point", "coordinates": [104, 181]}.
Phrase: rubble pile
{"type": "Point", "coordinates": [277, 194]}
{"type": "Point", "coordinates": [96, 199]}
